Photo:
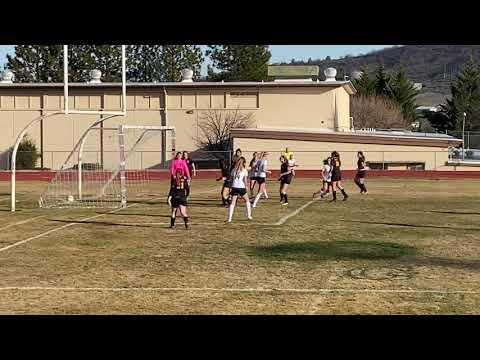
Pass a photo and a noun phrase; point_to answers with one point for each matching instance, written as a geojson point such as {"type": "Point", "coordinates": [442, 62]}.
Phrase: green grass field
{"type": "Point", "coordinates": [408, 247]}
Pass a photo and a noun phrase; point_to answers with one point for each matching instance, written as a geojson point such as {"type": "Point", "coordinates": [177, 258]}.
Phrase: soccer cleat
{"type": "Point", "coordinates": [285, 203]}
{"type": "Point", "coordinates": [250, 218]}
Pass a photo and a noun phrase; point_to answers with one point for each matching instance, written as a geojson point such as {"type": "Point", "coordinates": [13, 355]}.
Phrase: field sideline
{"type": "Point", "coordinates": [408, 247]}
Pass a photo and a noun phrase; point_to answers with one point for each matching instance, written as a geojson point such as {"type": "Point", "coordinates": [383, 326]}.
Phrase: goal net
{"type": "Point", "coordinates": [109, 167]}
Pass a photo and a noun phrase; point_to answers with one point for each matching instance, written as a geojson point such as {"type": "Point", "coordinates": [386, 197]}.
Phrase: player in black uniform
{"type": "Point", "coordinates": [361, 171]}
{"type": "Point", "coordinates": [235, 158]}
{"type": "Point", "coordinates": [191, 168]}
{"type": "Point", "coordinates": [285, 179]}
{"type": "Point", "coordinates": [227, 183]}
{"type": "Point", "coordinates": [335, 164]}
{"type": "Point", "coordinates": [252, 179]}
{"type": "Point", "coordinates": [178, 194]}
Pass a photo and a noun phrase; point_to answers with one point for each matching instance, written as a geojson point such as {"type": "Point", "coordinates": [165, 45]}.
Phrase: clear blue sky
{"type": "Point", "coordinates": [280, 52]}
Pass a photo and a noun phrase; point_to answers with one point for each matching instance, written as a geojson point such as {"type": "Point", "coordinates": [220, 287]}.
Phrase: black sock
{"type": "Point", "coordinates": [334, 193]}
{"type": "Point", "coordinates": [281, 197]}
{"type": "Point", "coordinates": [185, 220]}
{"type": "Point", "coordinates": [172, 221]}
{"type": "Point", "coordinates": [285, 196]}
{"type": "Point", "coordinates": [358, 184]}
{"type": "Point", "coordinates": [344, 193]}
{"type": "Point", "coordinates": [364, 189]}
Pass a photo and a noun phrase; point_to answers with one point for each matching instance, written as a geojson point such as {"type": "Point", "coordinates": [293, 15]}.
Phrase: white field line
{"type": "Point", "coordinates": [79, 222]}
{"type": "Point", "coordinates": [21, 222]}
{"type": "Point", "coordinates": [251, 290]}
{"type": "Point", "coordinates": [294, 213]}
{"type": "Point", "coordinates": [55, 230]}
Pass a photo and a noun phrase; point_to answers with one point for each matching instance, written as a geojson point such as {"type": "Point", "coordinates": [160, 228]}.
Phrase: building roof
{"type": "Point", "coordinates": [358, 137]}
{"type": "Point", "coordinates": [346, 84]}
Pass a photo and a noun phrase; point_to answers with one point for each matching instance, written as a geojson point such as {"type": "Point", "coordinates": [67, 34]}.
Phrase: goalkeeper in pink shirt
{"type": "Point", "coordinates": [176, 164]}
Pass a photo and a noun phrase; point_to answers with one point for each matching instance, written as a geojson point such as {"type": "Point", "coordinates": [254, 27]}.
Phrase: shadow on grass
{"type": "Point", "coordinates": [334, 250]}
{"type": "Point", "coordinates": [167, 215]}
{"type": "Point", "coordinates": [432, 261]}
{"type": "Point", "coordinates": [412, 225]}
{"type": "Point", "coordinates": [99, 223]}
{"type": "Point", "coordinates": [452, 212]}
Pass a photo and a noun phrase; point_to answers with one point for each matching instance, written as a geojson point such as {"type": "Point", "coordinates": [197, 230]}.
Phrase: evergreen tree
{"type": "Point", "coordinates": [37, 63]}
{"type": "Point", "coordinates": [238, 62]}
{"type": "Point", "coordinates": [34, 63]}
{"type": "Point", "coordinates": [106, 58]}
{"type": "Point", "coordinates": [465, 98]}
{"type": "Point", "coordinates": [144, 63]}
{"type": "Point", "coordinates": [365, 85]}
{"type": "Point", "coordinates": [382, 80]}
{"type": "Point", "coordinates": [163, 62]}
{"type": "Point", "coordinates": [175, 58]}
{"type": "Point", "coordinates": [401, 90]}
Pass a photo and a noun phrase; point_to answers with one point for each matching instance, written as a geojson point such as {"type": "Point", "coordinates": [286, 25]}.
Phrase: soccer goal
{"type": "Point", "coordinates": [97, 178]}
{"type": "Point", "coordinates": [67, 109]}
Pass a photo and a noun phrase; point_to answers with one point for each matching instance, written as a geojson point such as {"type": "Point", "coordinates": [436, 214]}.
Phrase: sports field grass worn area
{"type": "Point", "coordinates": [408, 247]}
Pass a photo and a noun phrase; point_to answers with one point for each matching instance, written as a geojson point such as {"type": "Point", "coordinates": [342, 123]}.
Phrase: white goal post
{"type": "Point", "coordinates": [127, 174]}
{"type": "Point", "coordinates": [65, 111]}
{"type": "Point", "coordinates": [88, 112]}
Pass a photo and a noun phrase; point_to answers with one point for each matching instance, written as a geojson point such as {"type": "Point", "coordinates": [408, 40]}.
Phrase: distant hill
{"type": "Point", "coordinates": [435, 66]}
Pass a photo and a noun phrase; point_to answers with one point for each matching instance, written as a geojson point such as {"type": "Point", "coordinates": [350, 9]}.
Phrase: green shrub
{"type": "Point", "coordinates": [27, 154]}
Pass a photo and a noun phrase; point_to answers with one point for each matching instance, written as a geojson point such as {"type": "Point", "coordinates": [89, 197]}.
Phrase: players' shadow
{"type": "Point", "coordinates": [433, 261]}
{"type": "Point", "coordinates": [204, 204]}
{"type": "Point", "coordinates": [412, 225]}
{"type": "Point", "coordinates": [105, 223]}
{"type": "Point", "coordinates": [452, 212]}
{"type": "Point", "coordinates": [333, 250]}
{"type": "Point", "coordinates": [162, 216]}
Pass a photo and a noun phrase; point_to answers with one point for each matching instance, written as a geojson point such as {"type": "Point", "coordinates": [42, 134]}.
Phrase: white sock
{"type": "Point", "coordinates": [256, 199]}
{"type": "Point", "coordinates": [265, 194]}
{"type": "Point", "coordinates": [249, 210]}
{"type": "Point", "coordinates": [231, 208]}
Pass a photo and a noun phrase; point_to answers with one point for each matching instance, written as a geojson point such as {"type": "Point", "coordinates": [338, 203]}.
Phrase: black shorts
{"type": "Point", "coordinates": [227, 184]}
{"type": "Point", "coordinates": [253, 178]}
{"type": "Point", "coordinates": [238, 191]}
{"type": "Point", "coordinates": [260, 180]}
{"type": "Point", "coordinates": [361, 174]}
{"type": "Point", "coordinates": [325, 182]}
{"type": "Point", "coordinates": [177, 201]}
{"type": "Point", "coordinates": [337, 176]}
{"type": "Point", "coordinates": [286, 179]}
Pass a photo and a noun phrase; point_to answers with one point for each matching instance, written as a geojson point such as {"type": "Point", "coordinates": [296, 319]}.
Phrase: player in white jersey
{"type": "Point", "coordinates": [239, 176]}
{"type": "Point", "coordinates": [261, 173]}
{"type": "Point", "coordinates": [326, 179]}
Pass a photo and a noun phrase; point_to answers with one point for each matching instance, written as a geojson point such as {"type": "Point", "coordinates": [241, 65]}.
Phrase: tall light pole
{"type": "Point", "coordinates": [463, 136]}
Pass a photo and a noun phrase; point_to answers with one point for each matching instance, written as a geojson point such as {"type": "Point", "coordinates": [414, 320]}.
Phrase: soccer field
{"type": "Point", "coordinates": [408, 247]}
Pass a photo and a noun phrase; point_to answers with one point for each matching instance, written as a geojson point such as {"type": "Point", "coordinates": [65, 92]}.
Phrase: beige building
{"type": "Point", "coordinates": [310, 117]}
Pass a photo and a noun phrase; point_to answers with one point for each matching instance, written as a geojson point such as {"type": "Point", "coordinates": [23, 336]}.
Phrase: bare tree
{"type": "Point", "coordinates": [215, 126]}
{"type": "Point", "coordinates": [376, 112]}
